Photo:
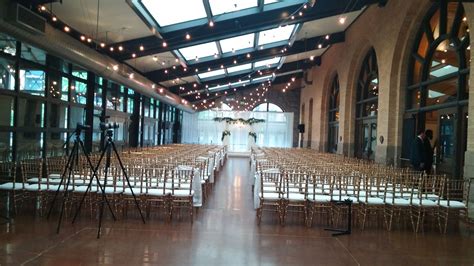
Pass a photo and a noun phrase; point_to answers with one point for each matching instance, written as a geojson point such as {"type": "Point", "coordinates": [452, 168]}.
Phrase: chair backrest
{"type": "Point", "coordinates": [8, 173]}
{"type": "Point", "coordinates": [458, 190]}
{"type": "Point", "coordinates": [182, 179]}
{"type": "Point", "coordinates": [32, 171]}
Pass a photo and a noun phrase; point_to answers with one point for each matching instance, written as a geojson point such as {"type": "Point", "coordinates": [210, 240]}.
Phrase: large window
{"type": "Point", "coordinates": [333, 128]}
{"type": "Point", "coordinates": [367, 108]}
{"type": "Point", "coordinates": [438, 90]}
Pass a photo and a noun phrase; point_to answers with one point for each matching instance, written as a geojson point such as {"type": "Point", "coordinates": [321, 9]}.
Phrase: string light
{"type": "Point", "coordinates": [188, 36]}
{"type": "Point", "coordinates": [55, 19]}
{"type": "Point", "coordinates": [211, 23]}
{"type": "Point", "coordinates": [342, 20]}
{"type": "Point", "coordinates": [142, 48]}
{"type": "Point", "coordinates": [102, 44]}
{"type": "Point", "coordinates": [164, 44]}
{"type": "Point", "coordinates": [120, 48]}
{"type": "Point", "coordinates": [83, 38]}
{"type": "Point", "coordinates": [66, 29]}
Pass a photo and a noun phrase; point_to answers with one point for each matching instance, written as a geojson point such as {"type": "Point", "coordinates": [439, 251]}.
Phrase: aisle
{"type": "Point", "coordinates": [224, 233]}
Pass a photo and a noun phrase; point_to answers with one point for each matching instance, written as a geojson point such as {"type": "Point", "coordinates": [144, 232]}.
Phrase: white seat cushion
{"type": "Point", "coordinates": [157, 192]}
{"type": "Point", "coordinates": [128, 191]}
{"type": "Point", "coordinates": [55, 188]}
{"type": "Point", "coordinates": [426, 203]}
{"type": "Point", "coordinates": [372, 201]}
{"type": "Point", "coordinates": [82, 189]}
{"type": "Point", "coordinates": [11, 186]}
{"type": "Point", "coordinates": [319, 198]}
{"type": "Point", "coordinates": [182, 193]}
{"type": "Point", "coordinates": [110, 190]}
{"type": "Point", "coordinates": [398, 202]}
{"type": "Point", "coordinates": [296, 197]}
{"type": "Point", "coordinates": [36, 187]}
{"type": "Point", "coordinates": [452, 204]}
{"type": "Point", "coordinates": [270, 196]}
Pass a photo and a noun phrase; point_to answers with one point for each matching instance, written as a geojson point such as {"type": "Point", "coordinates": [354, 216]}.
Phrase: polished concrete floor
{"type": "Point", "coordinates": [224, 232]}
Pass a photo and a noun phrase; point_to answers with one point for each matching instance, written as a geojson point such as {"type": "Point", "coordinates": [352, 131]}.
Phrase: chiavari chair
{"type": "Point", "coordinates": [182, 191]}
{"type": "Point", "coordinates": [9, 185]}
{"type": "Point", "coordinates": [271, 193]}
{"type": "Point", "coordinates": [157, 193]}
{"type": "Point", "coordinates": [455, 202]}
{"type": "Point", "coordinates": [295, 192]}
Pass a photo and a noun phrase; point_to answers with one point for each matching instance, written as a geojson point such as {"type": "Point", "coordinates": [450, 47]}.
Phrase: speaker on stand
{"type": "Point", "coordinates": [301, 131]}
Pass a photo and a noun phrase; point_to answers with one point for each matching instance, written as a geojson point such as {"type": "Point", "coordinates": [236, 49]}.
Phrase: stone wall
{"type": "Point", "coordinates": [391, 32]}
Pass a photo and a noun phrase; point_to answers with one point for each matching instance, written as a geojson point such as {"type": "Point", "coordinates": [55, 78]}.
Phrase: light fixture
{"type": "Point", "coordinates": [342, 20]}
{"type": "Point", "coordinates": [102, 44]}
{"type": "Point", "coordinates": [89, 40]}
{"type": "Point", "coordinates": [155, 58]}
{"type": "Point", "coordinates": [83, 38]}
{"type": "Point", "coordinates": [142, 48]}
{"type": "Point", "coordinates": [66, 29]}
{"type": "Point", "coordinates": [320, 46]}
{"type": "Point", "coordinates": [311, 58]}
{"type": "Point", "coordinates": [327, 37]}
{"type": "Point", "coordinates": [115, 67]}
{"type": "Point", "coordinates": [134, 55]}
{"type": "Point", "coordinates": [248, 55]}
{"type": "Point", "coordinates": [43, 8]}
{"type": "Point", "coordinates": [188, 36]}
{"type": "Point", "coordinates": [55, 19]}
{"type": "Point", "coordinates": [164, 44]}
{"type": "Point", "coordinates": [211, 23]}
{"type": "Point", "coordinates": [120, 48]}
{"type": "Point", "coordinates": [111, 49]}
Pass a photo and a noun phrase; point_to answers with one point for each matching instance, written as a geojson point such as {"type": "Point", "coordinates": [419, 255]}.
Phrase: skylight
{"type": "Point", "coordinates": [239, 68]}
{"type": "Point", "coordinates": [240, 83]}
{"type": "Point", "coordinates": [264, 78]}
{"type": "Point", "coordinates": [218, 87]}
{"type": "Point", "coordinates": [172, 12]}
{"type": "Point", "coordinates": [211, 74]}
{"type": "Point", "coordinates": [435, 94]}
{"type": "Point", "coordinates": [237, 43]}
{"type": "Point", "coordinates": [266, 2]}
{"type": "Point", "coordinates": [227, 6]}
{"type": "Point", "coordinates": [268, 62]}
{"type": "Point", "coordinates": [199, 51]}
{"type": "Point", "coordinates": [275, 35]}
{"type": "Point", "coordinates": [446, 70]}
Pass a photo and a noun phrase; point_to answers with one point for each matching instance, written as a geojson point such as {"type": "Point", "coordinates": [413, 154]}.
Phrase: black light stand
{"type": "Point", "coordinates": [72, 162]}
{"type": "Point", "coordinates": [348, 230]}
{"type": "Point", "coordinates": [108, 148]}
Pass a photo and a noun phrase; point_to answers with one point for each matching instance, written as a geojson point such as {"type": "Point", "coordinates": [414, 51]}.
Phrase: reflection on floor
{"type": "Point", "coordinates": [224, 233]}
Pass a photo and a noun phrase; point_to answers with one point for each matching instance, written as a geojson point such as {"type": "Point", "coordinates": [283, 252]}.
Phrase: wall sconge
{"type": "Point", "coordinates": [381, 139]}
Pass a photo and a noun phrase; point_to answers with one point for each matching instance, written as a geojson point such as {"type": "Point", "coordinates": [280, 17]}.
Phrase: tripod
{"type": "Point", "coordinates": [72, 162]}
{"type": "Point", "coordinates": [108, 148]}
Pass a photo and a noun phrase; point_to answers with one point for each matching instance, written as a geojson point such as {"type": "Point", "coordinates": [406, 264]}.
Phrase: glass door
{"type": "Point", "coordinates": [366, 140]}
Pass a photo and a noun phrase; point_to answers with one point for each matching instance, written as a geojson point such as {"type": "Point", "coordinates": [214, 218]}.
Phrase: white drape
{"type": "Point", "coordinates": [276, 131]}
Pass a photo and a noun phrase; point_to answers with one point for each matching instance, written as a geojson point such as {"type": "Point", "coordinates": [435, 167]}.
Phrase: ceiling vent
{"type": "Point", "coordinates": [26, 19]}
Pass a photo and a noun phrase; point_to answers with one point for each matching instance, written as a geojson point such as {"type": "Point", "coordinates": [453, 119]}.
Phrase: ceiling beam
{"type": "Point", "coordinates": [202, 67]}
{"type": "Point", "coordinates": [277, 81]}
{"type": "Point", "coordinates": [236, 26]}
{"type": "Point", "coordinates": [300, 65]}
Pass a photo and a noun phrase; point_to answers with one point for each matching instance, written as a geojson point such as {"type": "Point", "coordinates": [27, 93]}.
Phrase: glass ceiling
{"type": "Point", "coordinates": [172, 12]}
{"type": "Point", "coordinates": [267, 62]}
{"type": "Point", "coordinates": [276, 35]}
{"type": "Point", "coordinates": [227, 6]}
{"type": "Point", "coordinates": [264, 78]}
{"type": "Point", "coordinates": [237, 43]}
{"type": "Point", "coordinates": [214, 73]}
{"type": "Point", "coordinates": [199, 51]}
{"type": "Point", "coordinates": [239, 68]}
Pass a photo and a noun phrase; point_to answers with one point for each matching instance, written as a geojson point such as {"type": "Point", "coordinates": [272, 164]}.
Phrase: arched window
{"type": "Point", "coordinates": [333, 128]}
{"type": "Point", "coordinates": [267, 107]}
{"type": "Point", "coordinates": [438, 90]}
{"type": "Point", "coordinates": [310, 123]}
{"type": "Point", "coordinates": [367, 108]}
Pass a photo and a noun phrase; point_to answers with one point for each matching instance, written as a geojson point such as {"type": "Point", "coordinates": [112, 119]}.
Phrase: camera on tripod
{"type": "Point", "coordinates": [107, 126]}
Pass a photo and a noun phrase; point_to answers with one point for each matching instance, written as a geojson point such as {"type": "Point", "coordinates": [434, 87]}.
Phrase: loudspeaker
{"type": "Point", "coordinates": [301, 128]}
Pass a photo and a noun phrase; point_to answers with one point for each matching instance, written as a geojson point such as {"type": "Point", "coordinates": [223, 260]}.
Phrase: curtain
{"type": "Point", "coordinates": [276, 131]}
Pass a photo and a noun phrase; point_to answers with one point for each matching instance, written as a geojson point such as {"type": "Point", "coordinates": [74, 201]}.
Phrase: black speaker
{"type": "Point", "coordinates": [301, 128]}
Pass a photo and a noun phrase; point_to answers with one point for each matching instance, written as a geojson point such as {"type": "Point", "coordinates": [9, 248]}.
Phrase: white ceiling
{"type": "Point", "coordinates": [117, 21]}
{"type": "Point", "coordinates": [147, 63]}
{"type": "Point", "coordinates": [328, 25]}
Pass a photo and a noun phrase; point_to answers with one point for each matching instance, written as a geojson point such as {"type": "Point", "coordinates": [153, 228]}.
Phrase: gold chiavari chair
{"type": "Point", "coordinates": [137, 186]}
{"type": "Point", "coordinates": [455, 202]}
{"type": "Point", "coordinates": [319, 198]}
{"type": "Point", "coordinates": [295, 193]}
{"type": "Point", "coordinates": [32, 171]}
{"type": "Point", "coordinates": [157, 193]}
{"type": "Point", "coordinates": [427, 192]}
{"type": "Point", "coordinates": [271, 192]}
{"type": "Point", "coordinates": [182, 191]}
{"type": "Point", "coordinates": [9, 185]}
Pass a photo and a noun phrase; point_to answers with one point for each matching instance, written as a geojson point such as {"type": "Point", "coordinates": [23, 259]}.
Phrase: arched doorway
{"type": "Point", "coordinates": [438, 90]}
{"type": "Point", "coordinates": [367, 108]}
